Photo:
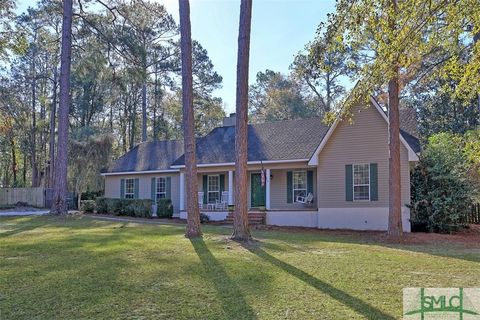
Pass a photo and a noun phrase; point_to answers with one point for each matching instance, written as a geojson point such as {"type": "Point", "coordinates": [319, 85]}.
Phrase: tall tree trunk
{"type": "Point", "coordinates": [241, 229]}
{"type": "Point", "coordinates": [43, 141]}
{"type": "Point", "coordinates": [155, 106]}
{"type": "Point", "coordinates": [14, 161]}
{"type": "Point", "coordinates": [34, 119]}
{"type": "Point", "coordinates": [144, 109]}
{"type": "Point", "coordinates": [110, 121]}
{"type": "Point", "coordinates": [53, 114]}
{"type": "Point", "coordinates": [193, 213]}
{"type": "Point", "coordinates": [395, 191]}
{"type": "Point", "coordinates": [24, 170]}
{"type": "Point", "coordinates": [329, 93]}
{"type": "Point", "coordinates": [133, 126]}
{"type": "Point", "coordinates": [395, 194]}
{"type": "Point", "coordinates": [59, 205]}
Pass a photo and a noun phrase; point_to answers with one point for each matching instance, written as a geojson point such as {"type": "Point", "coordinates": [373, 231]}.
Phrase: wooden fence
{"type": "Point", "coordinates": [474, 217]}
{"type": "Point", "coordinates": [33, 196]}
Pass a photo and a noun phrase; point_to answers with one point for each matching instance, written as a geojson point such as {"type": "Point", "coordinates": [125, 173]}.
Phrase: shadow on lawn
{"type": "Point", "coordinates": [233, 301]}
{"type": "Point", "coordinates": [443, 249]}
{"type": "Point", "coordinates": [354, 303]}
{"type": "Point", "coordinates": [19, 228]}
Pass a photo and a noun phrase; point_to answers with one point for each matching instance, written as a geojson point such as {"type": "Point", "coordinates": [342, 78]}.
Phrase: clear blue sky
{"type": "Point", "coordinates": [280, 28]}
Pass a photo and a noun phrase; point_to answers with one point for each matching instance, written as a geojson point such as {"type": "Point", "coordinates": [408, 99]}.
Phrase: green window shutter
{"type": "Point", "coordinates": [205, 191]}
{"type": "Point", "coordinates": [154, 189]}
{"type": "Point", "coordinates": [222, 184]}
{"type": "Point", "coordinates": [122, 188]}
{"type": "Point", "coordinates": [169, 187]}
{"type": "Point", "coordinates": [373, 182]}
{"type": "Point", "coordinates": [348, 182]}
{"type": "Point", "coordinates": [310, 181]}
{"type": "Point", "coordinates": [136, 188]}
{"type": "Point", "coordinates": [289, 187]}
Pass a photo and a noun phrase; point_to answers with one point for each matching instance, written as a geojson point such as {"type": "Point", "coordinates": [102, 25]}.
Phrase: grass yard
{"type": "Point", "coordinates": [82, 268]}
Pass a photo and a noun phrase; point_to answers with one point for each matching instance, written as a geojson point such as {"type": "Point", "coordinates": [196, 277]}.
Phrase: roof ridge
{"type": "Point", "coordinates": [285, 120]}
{"type": "Point", "coordinates": [169, 140]}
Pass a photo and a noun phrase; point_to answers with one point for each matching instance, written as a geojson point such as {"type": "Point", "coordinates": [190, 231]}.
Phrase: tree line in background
{"type": "Point", "coordinates": [125, 86]}
{"type": "Point", "coordinates": [440, 83]}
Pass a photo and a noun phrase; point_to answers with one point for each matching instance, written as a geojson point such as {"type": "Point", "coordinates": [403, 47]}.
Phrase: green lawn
{"type": "Point", "coordinates": [81, 268]}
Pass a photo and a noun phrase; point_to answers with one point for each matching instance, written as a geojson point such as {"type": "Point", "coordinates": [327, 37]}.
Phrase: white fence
{"type": "Point", "coordinates": [33, 196]}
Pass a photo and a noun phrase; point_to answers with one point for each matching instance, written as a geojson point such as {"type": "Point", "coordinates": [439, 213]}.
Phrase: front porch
{"type": "Point", "coordinates": [306, 217]}
{"type": "Point", "coordinates": [272, 188]}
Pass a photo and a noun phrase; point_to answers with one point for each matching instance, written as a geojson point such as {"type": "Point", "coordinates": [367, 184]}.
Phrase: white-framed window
{"type": "Point", "coordinates": [299, 183]}
{"type": "Point", "coordinates": [213, 188]}
{"type": "Point", "coordinates": [129, 188]}
{"type": "Point", "coordinates": [361, 182]}
{"type": "Point", "coordinates": [161, 190]}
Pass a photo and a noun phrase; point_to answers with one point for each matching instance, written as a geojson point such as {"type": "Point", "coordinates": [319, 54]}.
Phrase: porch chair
{"type": "Point", "coordinates": [200, 199]}
{"type": "Point", "coordinates": [301, 198]}
{"type": "Point", "coordinates": [222, 203]}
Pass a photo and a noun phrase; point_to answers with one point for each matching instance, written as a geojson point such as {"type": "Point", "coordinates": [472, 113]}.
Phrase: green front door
{"type": "Point", "coordinates": [257, 191]}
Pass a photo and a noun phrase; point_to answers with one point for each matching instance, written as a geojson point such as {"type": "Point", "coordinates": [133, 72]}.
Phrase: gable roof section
{"type": "Point", "coordinates": [285, 141]}
{"type": "Point", "coordinates": [278, 141]}
{"type": "Point", "coordinates": [408, 133]}
{"type": "Point", "coordinates": [148, 156]}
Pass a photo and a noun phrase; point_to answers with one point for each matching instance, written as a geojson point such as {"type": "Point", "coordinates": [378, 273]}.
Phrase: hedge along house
{"type": "Point", "coordinates": [301, 172]}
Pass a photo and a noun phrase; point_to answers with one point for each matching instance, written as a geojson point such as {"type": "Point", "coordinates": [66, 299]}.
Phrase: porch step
{"type": "Point", "coordinates": [254, 218]}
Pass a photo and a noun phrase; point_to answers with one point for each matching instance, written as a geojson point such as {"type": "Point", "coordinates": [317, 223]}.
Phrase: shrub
{"type": "Point", "coordinates": [104, 205]}
{"type": "Point", "coordinates": [443, 186]}
{"type": "Point", "coordinates": [164, 208]}
{"type": "Point", "coordinates": [204, 218]}
{"type": "Point", "coordinates": [91, 195]}
{"type": "Point", "coordinates": [141, 208]}
{"type": "Point", "coordinates": [87, 206]}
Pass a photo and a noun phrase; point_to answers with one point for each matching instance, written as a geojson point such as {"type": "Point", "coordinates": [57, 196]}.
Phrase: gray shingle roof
{"type": "Point", "coordinates": [279, 140]}
{"type": "Point", "coordinates": [409, 128]}
{"type": "Point", "coordinates": [152, 155]}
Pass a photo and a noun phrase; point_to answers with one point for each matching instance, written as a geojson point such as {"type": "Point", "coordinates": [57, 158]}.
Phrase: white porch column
{"type": "Point", "coordinates": [182, 191]}
{"type": "Point", "coordinates": [267, 189]}
{"type": "Point", "coordinates": [230, 188]}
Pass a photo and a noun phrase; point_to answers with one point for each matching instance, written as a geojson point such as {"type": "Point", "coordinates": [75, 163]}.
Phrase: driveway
{"type": "Point", "coordinates": [23, 211]}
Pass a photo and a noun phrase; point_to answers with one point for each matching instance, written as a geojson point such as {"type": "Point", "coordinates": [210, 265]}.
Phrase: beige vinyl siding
{"type": "Point", "coordinates": [364, 141]}
{"type": "Point", "coordinates": [112, 186]}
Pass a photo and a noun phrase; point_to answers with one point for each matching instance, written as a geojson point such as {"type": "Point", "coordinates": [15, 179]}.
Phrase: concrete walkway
{"type": "Point", "coordinates": [23, 212]}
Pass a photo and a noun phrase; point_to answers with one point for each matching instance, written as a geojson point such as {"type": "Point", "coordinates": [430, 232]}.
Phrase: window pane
{"type": "Point", "coordinates": [213, 183]}
{"type": "Point", "coordinates": [361, 174]}
{"type": "Point", "coordinates": [129, 188]}
{"type": "Point", "coordinates": [299, 184]}
{"type": "Point", "coordinates": [361, 192]}
{"type": "Point", "coordinates": [361, 182]}
{"type": "Point", "coordinates": [161, 192]}
{"type": "Point", "coordinates": [299, 180]}
{"type": "Point", "coordinates": [213, 188]}
{"type": "Point", "coordinates": [213, 197]}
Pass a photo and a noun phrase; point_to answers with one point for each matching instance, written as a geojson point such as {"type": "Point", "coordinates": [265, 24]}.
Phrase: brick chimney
{"type": "Point", "coordinates": [230, 120]}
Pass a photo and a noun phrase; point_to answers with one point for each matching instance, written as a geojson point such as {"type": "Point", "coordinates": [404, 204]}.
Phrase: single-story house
{"type": "Point", "coordinates": [301, 172]}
